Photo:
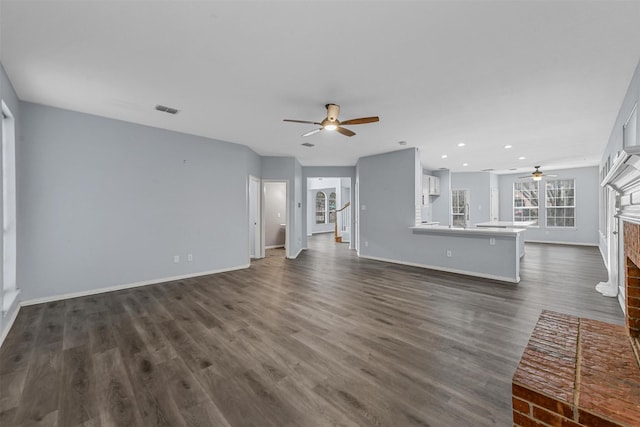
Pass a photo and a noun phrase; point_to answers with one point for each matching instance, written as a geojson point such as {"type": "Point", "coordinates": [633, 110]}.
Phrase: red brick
{"type": "Point", "coordinates": [551, 419]}
{"type": "Point", "coordinates": [633, 323]}
{"type": "Point", "coordinates": [521, 406]}
{"type": "Point", "coordinates": [633, 289]}
{"type": "Point", "coordinates": [524, 421]}
{"type": "Point", "coordinates": [589, 419]}
{"type": "Point", "coordinates": [633, 312]}
{"type": "Point", "coordinates": [543, 401]}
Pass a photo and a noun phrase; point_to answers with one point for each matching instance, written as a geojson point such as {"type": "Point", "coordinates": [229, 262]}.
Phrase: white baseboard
{"type": "Point", "coordinates": [622, 302]}
{"type": "Point", "coordinates": [446, 269]}
{"type": "Point", "coordinates": [7, 327]}
{"type": "Point", "coordinates": [274, 247]}
{"type": "Point", "coordinates": [127, 286]}
{"type": "Point", "coordinates": [298, 253]}
{"type": "Point", "coordinates": [561, 243]}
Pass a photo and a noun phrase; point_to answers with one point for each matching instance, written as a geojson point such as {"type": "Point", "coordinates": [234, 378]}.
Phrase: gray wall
{"type": "Point", "coordinates": [479, 186]}
{"type": "Point", "coordinates": [587, 188]}
{"type": "Point", "coordinates": [388, 193]}
{"type": "Point", "coordinates": [275, 213]}
{"type": "Point", "coordinates": [106, 203]}
{"type": "Point", "coordinates": [8, 95]}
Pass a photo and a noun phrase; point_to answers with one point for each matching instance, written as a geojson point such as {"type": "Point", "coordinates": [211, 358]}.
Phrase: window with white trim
{"type": "Point", "coordinates": [459, 202]}
{"type": "Point", "coordinates": [321, 207]}
{"type": "Point", "coordinates": [560, 203]}
{"type": "Point", "coordinates": [332, 207]}
{"type": "Point", "coordinates": [525, 201]}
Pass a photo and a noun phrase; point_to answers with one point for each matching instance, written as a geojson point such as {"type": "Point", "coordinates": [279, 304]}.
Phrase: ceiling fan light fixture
{"type": "Point", "coordinates": [330, 126]}
{"type": "Point", "coordinates": [537, 177]}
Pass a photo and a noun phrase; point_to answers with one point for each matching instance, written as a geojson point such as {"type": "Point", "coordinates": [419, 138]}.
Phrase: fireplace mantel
{"type": "Point", "coordinates": [624, 179]}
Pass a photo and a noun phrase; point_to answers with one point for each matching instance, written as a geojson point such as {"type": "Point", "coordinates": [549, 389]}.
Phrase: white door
{"type": "Point", "coordinates": [254, 217]}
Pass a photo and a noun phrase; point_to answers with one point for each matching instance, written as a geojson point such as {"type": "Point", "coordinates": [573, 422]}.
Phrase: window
{"type": "Point", "coordinates": [321, 207]}
{"type": "Point", "coordinates": [525, 201]}
{"type": "Point", "coordinates": [560, 203]}
{"type": "Point", "coordinates": [332, 208]}
{"type": "Point", "coordinates": [9, 290]}
{"type": "Point", "coordinates": [459, 200]}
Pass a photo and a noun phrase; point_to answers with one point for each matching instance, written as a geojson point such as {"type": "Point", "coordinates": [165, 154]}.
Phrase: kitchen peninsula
{"type": "Point", "coordinates": [489, 252]}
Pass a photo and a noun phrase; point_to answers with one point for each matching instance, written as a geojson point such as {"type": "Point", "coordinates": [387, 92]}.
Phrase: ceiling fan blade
{"type": "Point", "coordinates": [550, 175]}
{"type": "Point", "coordinates": [361, 121]}
{"type": "Point", "coordinates": [344, 131]}
{"type": "Point", "coordinates": [526, 176]}
{"type": "Point", "coordinates": [312, 132]}
{"type": "Point", "coordinates": [301, 121]}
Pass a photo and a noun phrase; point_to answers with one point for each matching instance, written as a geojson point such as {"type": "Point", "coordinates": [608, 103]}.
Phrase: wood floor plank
{"type": "Point", "coordinates": [114, 394]}
{"type": "Point", "coordinates": [39, 400]}
{"type": "Point", "coordinates": [77, 403]}
{"type": "Point", "coordinates": [327, 339]}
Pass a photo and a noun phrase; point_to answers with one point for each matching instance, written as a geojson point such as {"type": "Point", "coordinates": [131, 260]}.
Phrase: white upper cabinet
{"type": "Point", "coordinates": [430, 187]}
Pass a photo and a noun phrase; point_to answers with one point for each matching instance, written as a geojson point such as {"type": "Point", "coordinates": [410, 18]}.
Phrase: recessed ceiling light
{"type": "Point", "coordinates": [521, 158]}
{"type": "Point", "coordinates": [508, 146]}
{"type": "Point", "coordinates": [465, 164]}
{"type": "Point", "coordinates": [444, 156]}
{"type": "Point", "coordinates": [461, 144]}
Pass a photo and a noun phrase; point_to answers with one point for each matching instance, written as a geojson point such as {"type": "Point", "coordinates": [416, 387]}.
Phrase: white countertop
{"type": "Point", "coordinates": [482, 231]}
{"type": "Point", "coordinates": [505, 224]}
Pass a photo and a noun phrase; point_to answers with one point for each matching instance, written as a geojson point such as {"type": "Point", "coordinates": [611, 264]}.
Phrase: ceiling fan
{"type": "Point", "coordinates": [536, 175]}
{"type": "Point", "coordinates": [331, 122]}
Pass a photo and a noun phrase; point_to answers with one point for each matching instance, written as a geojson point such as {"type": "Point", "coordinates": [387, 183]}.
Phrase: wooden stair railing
{"type": "Point", "coordinates": [335, 228]}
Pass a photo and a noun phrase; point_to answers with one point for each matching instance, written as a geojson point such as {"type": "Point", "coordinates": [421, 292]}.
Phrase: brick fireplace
{"type": "Point", "coordinates": [632, 300]}
{"type": "Point", "coordinates": [582, 372]}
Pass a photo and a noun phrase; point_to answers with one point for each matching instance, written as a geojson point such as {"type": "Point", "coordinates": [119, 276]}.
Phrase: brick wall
{"type": "Point", "coordinates": [576, 372]}
{"type": "Point", "coordinates": [632, 253]}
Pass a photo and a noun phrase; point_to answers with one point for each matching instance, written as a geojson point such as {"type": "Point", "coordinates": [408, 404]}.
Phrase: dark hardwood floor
{"type": "Point", "coordinates": [326, 339]}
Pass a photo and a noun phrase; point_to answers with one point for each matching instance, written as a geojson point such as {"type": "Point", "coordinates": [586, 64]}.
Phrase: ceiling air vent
{"type": "Point", "coordinates": [487, 170]}
{"type": "Point", "coordinates": [166, 109]}
{"type": "Point", "coordinates": [308, 144]}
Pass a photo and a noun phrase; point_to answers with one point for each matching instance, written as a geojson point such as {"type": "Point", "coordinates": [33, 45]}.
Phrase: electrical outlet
{"type": "Point", "coordinates": [190, 257]}
{"type": "Point", "coordinates": [176, 259]}
{"type": "Point", "coordinates": [492, 241]}
{"type": "Point", "coordinates": [449, 253]}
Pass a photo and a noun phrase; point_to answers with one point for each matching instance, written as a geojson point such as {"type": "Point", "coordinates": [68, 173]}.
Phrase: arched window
{"type": "Point", "coordinates": [332, 208]}
{"type": "Point", "coordinates": [321, 207]}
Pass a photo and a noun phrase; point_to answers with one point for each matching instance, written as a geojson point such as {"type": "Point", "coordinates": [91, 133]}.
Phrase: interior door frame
{"type": "Point", "coordinates": [256, 200]}
{"type": "Point", "coordinates": [287, 198]}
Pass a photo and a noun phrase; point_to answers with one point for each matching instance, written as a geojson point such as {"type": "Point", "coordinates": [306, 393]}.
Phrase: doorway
{"type": "Point", "coordinates": [275, 230]}
{"type": "Point", "coordinates": [329, 208]}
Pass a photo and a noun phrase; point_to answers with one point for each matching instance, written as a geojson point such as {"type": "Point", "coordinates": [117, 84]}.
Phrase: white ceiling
{"type": "Point", "coordinates": [547, 78]}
